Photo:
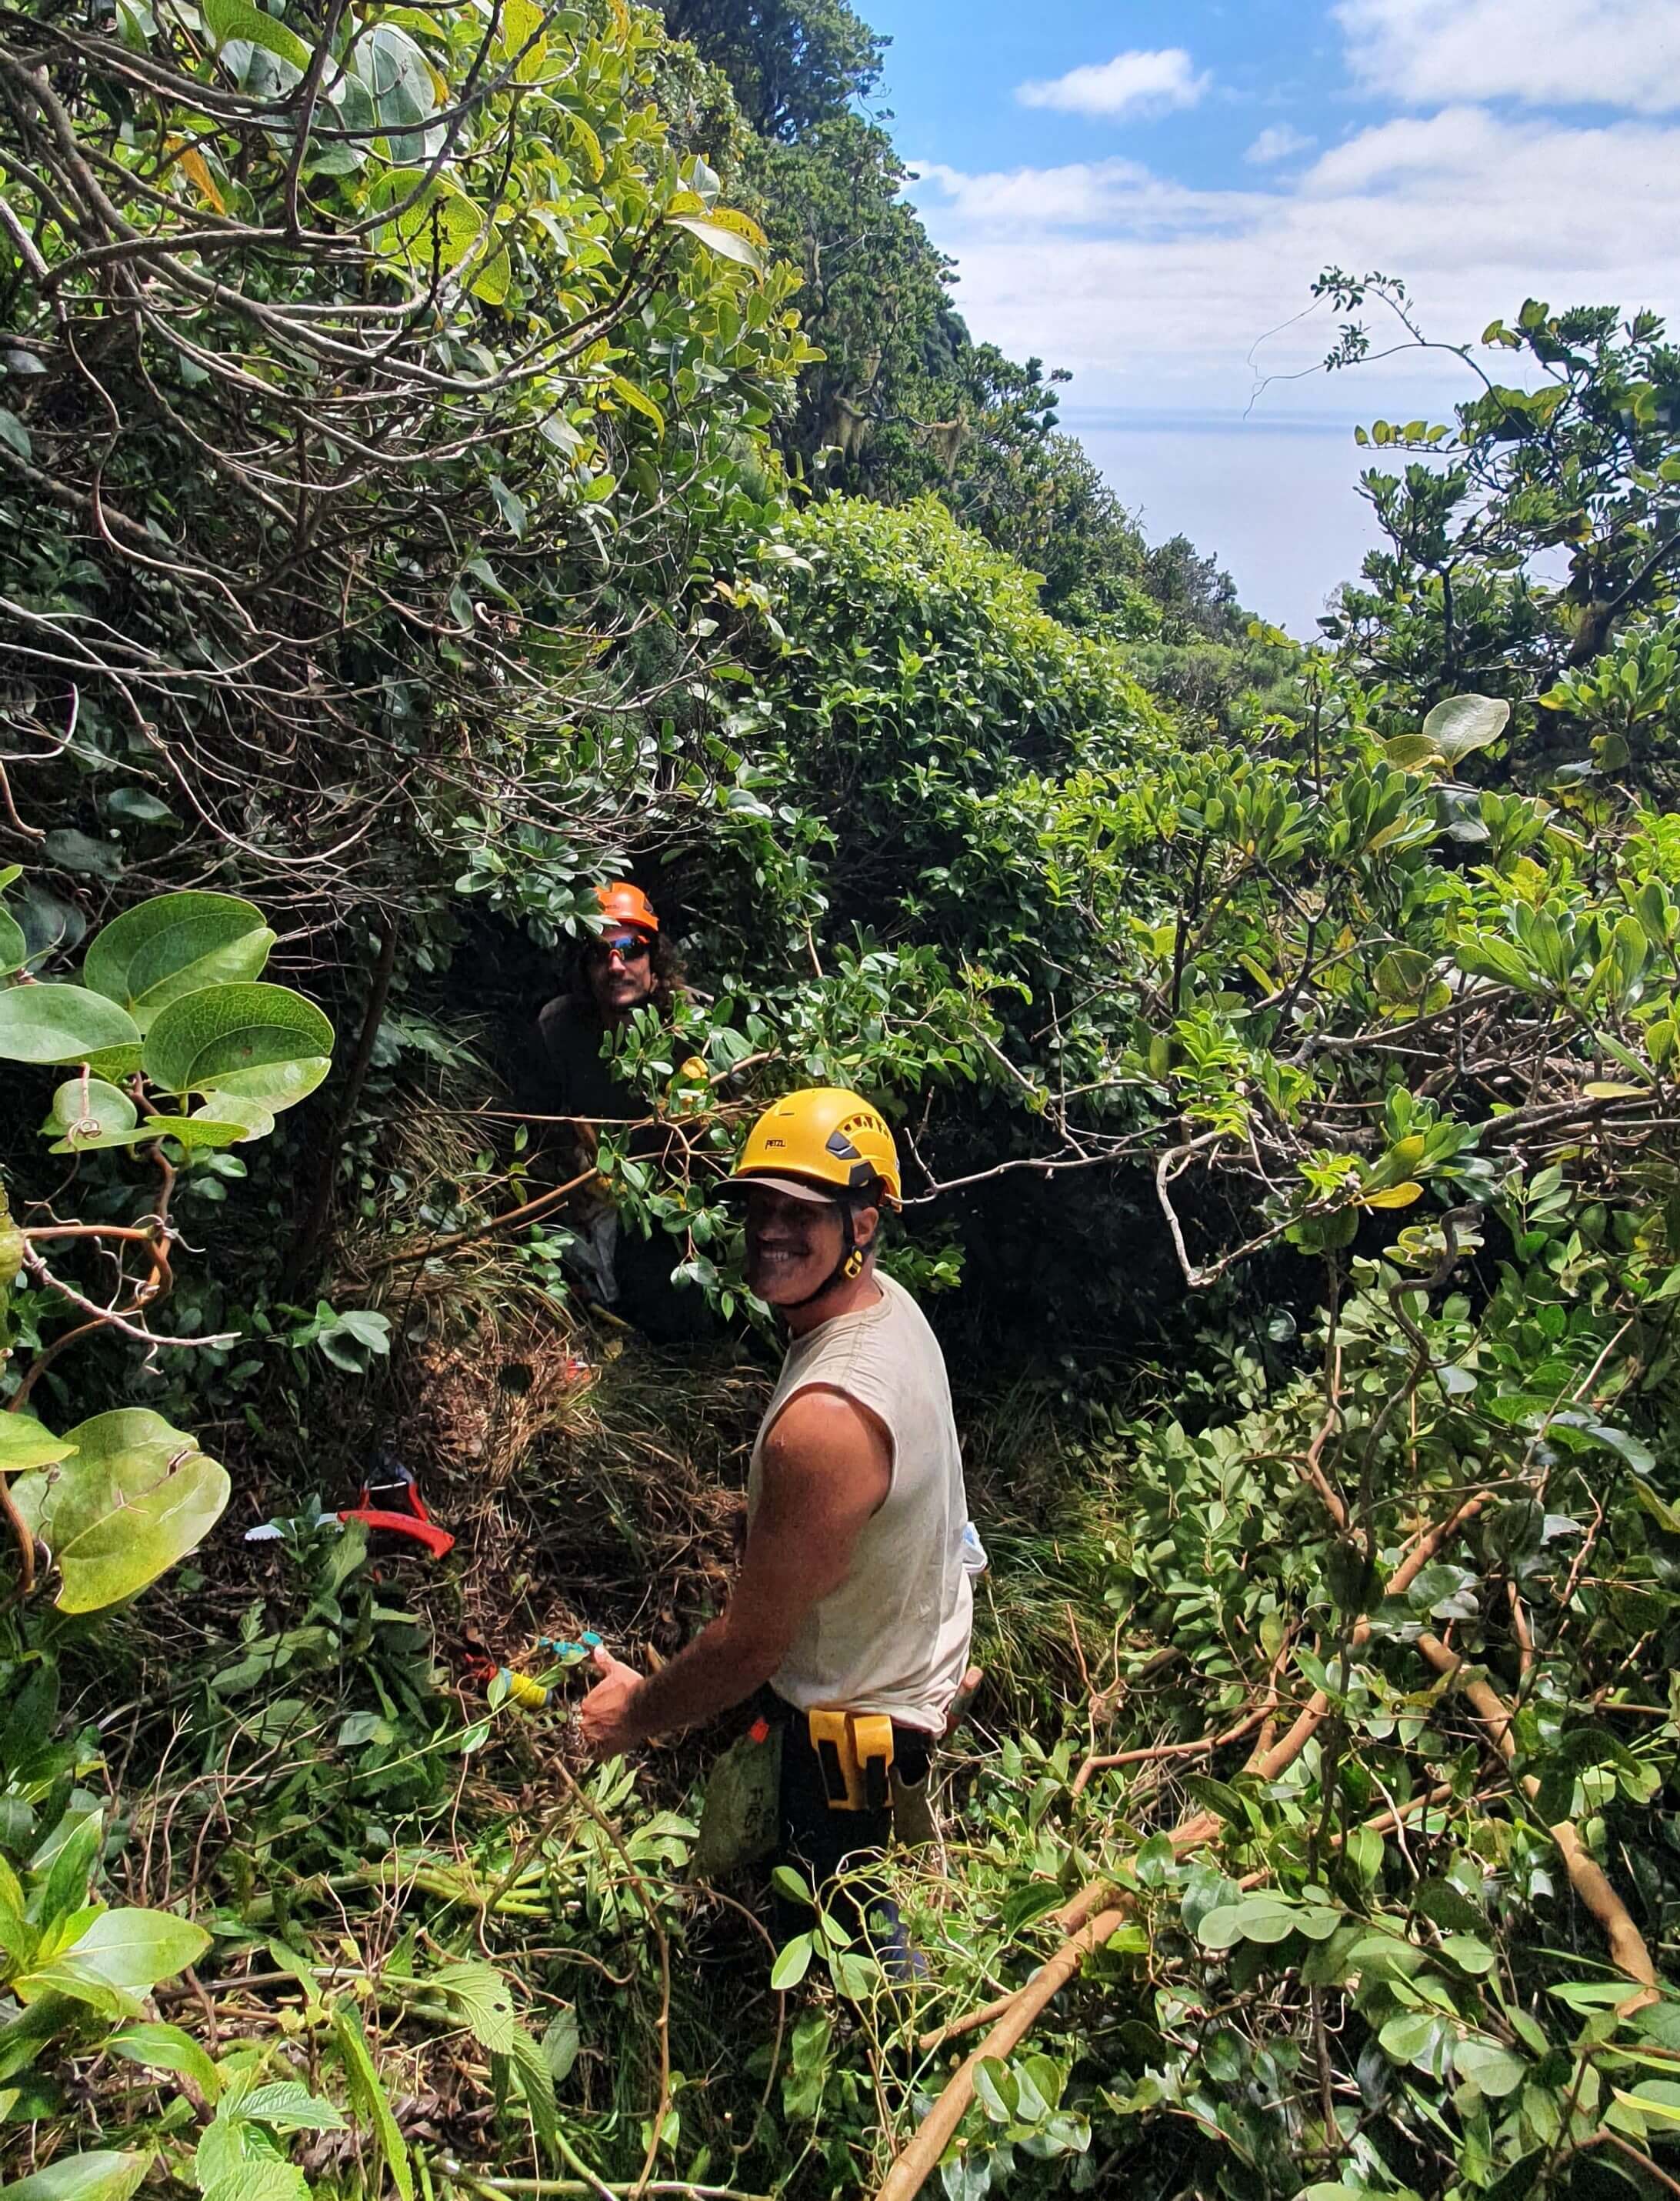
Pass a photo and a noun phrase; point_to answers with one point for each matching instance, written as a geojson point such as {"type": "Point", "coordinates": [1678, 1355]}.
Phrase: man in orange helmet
{"type": "Point", "coordinates": [627, 965]}
{"type": "Point", "coordinates": [853, 1611]}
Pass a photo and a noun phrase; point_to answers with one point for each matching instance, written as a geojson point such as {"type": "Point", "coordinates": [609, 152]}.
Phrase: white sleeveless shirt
{"type": "Point", "coordinates": [894, 1637]}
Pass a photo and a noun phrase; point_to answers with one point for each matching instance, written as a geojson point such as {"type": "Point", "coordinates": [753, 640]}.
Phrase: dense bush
{"type": "Point", "coordinates": [393, 539]}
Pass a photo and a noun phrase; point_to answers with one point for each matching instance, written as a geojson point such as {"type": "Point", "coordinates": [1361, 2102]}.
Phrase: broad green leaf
{"type": "Point", "coordinates": [264, 1043]}
{"type": "Point", "coordinates": [167, 2048]}
{"type": "Point", "coordinates": [740, 224]}
{"type": "Point", "coordinates": [58, 1023]}
{"type": "Point", "coordinates": [792, 1963]}
{"type": "Point", "coordinates": [443, 228]}
{"type": "Point", "coordinates": [521, 34]}
{"type": "Point", "coordinates": [1657, 2098]}
{"type": "Point", "coordinates": [104, 2175]}
{"type": "Point", "coordinates": [122, 1955]}
{"type": "Point", "coordinates": [175, 945]}
{"type": "Point", "coordinates": [67, 1857]}
{"type": "Point", "coordinates": [1264, 1918]}
{"type": "Point", "coordinates": [854, 1977]}
{"type": "Point", "coordinates": [1418, 2037]}
{"type": "Point", "coordinates": [728, 244]}
{"type": "Point", "coordinates": [492, 277]}
{"type": "Point", "coordinates": [287, 2106]}
{"type": "Point", "coordinates": [86, 1109]}
{"type": "Point", "coordinates": [201, 1129]}
{"type": "Point", "coordinates": [13, 947]}
{"type": "Point", "coordinates": [401, 85]}
{"type": "Point", "coordinates": [1394, 1195]}
{"type": "Point", "coordinates": [479, 1995]}
{"type": "Point", "coordinates": [994, 2089]}
{"type": "Point", "coordinates": [110, 1063]}
{"type": "Point", "coordinates": [1403, 973]}
{"type": "Point", "coordinates": [136, 1497]}
{"type": "Point", "coordinates": [1411, 751]}
{"type": "Point", "coordinates": [1465, 723]}
{"type": "Point", "coordinates": [1497, 2071]}
{"type": "Point", "coordinates": [235, 20]}
{"type": "Point", "coordinates": [253, 1120]}
{"type": "Point", "coordinates": [1484, 956]}
{"type": "Point", "coordinates": [24, 1443]}
{"type": "Point", "coordinates": [560, 2043]}
{"type": "Point", "coordinates": [260, 2178]}
{"type": "Point", "coordinates": [535, 2081]}
{"type": "Point", "coordinates": [135, 806]}
{"type": "Point", "coordinates": [73, 851]}
{"type": "Point", "coordinates": [1468, 1952]}
{"type": "Point", "coordinates": [238, 2159]}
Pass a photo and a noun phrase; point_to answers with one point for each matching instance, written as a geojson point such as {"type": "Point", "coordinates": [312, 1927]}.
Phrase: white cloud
{"type": "Point", "coordinates": [1155, 293]}
{"type": "Point", "coordinates": [1135, 83]}
{"type": "Point", "coordinates": [1280, 143]}
{"type": "Point", "coordinates": [1617, 53]}
{"type": "Point", "coordinates": [1082, 195]}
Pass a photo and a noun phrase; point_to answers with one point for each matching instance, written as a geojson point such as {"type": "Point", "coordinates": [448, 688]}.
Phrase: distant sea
{"type": "Point", "coordinates": [1275, 499]}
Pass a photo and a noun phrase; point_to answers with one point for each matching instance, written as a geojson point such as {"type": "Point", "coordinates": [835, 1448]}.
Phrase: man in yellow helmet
{"type": "Point", "coordinates": [854, 1604]}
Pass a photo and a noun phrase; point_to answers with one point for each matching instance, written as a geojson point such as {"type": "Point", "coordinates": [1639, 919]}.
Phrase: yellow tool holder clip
{"type": "Point", "coordinates": [855, 1749]}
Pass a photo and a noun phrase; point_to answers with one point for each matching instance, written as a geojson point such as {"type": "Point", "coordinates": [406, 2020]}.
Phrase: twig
{"type": "Point", "coordinates": [1204, 1748]}
{"type": "Point", "coordinates": [544, 1204]}
{"type": "Point", "coordinates": [457, 2176]}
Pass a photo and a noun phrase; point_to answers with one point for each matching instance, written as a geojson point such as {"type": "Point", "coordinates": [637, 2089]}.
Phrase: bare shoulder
{"type": "Point", "coordinates": [821, 1433]}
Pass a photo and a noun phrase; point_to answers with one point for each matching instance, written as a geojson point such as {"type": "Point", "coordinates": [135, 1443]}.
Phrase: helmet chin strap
{"type": "Point", "coordinates": [846, 1270]}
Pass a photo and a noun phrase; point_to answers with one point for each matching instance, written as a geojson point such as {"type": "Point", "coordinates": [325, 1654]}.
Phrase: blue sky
{"type": "Point", "coordinates": [1144, 193]}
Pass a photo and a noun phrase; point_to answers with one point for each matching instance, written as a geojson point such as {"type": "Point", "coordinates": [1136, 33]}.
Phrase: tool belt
{"type": "Point", "coordinates": [854, 1751]}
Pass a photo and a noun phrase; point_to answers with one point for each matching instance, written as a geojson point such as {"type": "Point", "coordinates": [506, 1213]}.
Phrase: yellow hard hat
{"type": "Point", "coordinates": [823, 1142]}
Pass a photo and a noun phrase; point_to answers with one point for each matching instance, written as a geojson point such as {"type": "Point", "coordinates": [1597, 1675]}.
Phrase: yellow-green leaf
{"type": "Point", "coordinates": [718, 237]}
{"type": "Point", "coordinates": [522, 22]}
{"type": "Point", "coordinates": [638, 400]}
{"type": "Point", "coordinates": [1411, 752]}
{"type": "Point", "coordinates": [1395, 1196]}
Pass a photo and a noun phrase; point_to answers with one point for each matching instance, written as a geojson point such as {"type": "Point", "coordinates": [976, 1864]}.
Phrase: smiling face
{"type": "Point", "coordinates": [619, 966]}
{"type": "Point", "coordinates": [794, 1247]}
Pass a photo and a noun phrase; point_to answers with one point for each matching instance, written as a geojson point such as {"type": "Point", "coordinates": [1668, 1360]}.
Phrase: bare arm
{"type": "Point", "coordinates": [827, 1468]}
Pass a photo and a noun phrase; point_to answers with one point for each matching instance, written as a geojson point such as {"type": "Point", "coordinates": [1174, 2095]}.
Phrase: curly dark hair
{"type": "Point", "coordinates": [667, 970]}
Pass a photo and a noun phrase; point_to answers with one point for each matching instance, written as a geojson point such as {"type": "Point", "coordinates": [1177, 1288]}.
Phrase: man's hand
{"type": "Point", "coordinates": [827, 1468]}
{"type": "Point", "coordinates": [604, 1715]}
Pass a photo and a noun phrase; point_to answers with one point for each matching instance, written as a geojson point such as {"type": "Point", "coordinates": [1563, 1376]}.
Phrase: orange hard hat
{"type": "Point", "coordinates": [624, 904]}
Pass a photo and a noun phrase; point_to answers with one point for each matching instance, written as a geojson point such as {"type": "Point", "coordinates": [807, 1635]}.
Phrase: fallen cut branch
{"type": "Point", "coordinates": [1100, 1909]}
{"type": "Point", "coordinates": [1628, 1952]}
{"type": "Point", "coordinates": [920, 2159]}
{"type": "Point", "coordinates": [1384, 1824]}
